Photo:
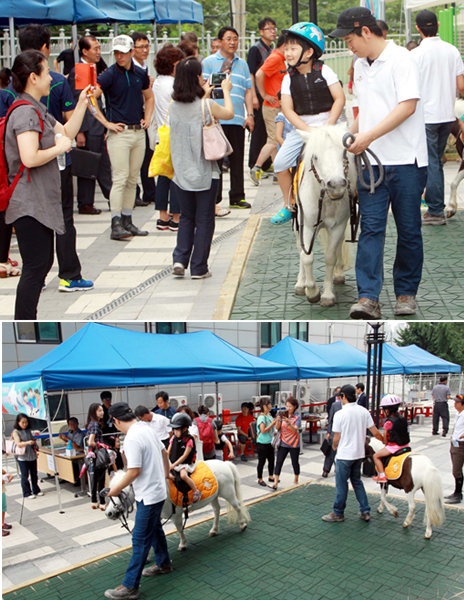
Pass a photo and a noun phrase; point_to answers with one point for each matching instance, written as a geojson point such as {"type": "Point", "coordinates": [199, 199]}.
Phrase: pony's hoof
{"type": "Point", "coordinates": [395, 514]}
{"type": "Point", "coordinates": [327, 301]}
{"type": "Point", "coordinates": [314, 299]}
{"type": "Point", "coordinates": [450, 213]}
{"type": "Point", "coordinates": [299, 290]}
{"type": "Point", "coordinates": [243, 527]}
{"type": "Point", "coordinates": [182, 548]}
{"type": "Point", "coordinates": [405, 525]}
{"type": "Point", "coordinates": [212, 533]}
{"type": "Point", "coordinates": [427, 536]}
{"type": "Point", "coordinates": [339, 280]}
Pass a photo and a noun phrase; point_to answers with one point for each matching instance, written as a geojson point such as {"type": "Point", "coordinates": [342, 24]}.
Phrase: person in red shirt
{"type": "Point", "coordinates": [269, 81]}
{"type": "Point", "coordinates": [243, 423]}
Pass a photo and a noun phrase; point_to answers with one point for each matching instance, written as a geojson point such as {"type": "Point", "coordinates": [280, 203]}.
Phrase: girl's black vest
{"type": "Point", "coordinates": [310, 92]}
{"type": "Point", "coordinates": [179, 445]}
{"type": "Point", "coordinates": [398, 434]}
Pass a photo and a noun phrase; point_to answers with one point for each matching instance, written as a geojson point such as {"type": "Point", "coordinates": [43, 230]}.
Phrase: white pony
{"type": "Point", "coordinates": [327, 179]}
{"type": "Point", "coordinates": [424, 476]}
{"type": "Point", "coordinates": [228, 482]}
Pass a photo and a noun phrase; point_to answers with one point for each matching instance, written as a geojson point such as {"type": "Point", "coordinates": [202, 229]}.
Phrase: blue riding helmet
{"type": "Point", "coordinates": [310, 33]}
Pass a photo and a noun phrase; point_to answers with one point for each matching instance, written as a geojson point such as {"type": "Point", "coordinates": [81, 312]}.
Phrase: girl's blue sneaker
{"type": "Point", "coordinates": [282, 216]}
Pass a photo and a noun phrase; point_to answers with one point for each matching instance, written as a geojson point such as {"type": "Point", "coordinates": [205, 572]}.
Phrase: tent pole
{"type": "Point", "coordinates": [180, 30]}
{"type": "Point", "coordinates": [12, 40]}
{"type": "Point", "coordinates": [154, 36]}
{"type": "Point", "coordinates": [74, 42]}
{"type": "Point", "coordinates": [52, 448]}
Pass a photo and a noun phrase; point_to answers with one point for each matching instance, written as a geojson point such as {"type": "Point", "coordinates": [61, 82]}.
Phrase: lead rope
{"type": "Point", "coordinates": [362, 160]}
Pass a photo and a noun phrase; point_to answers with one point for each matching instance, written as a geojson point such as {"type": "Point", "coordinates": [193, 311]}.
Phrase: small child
{"type": "Point", "coordinates": [311, 96]}
{"type": "Point", "coordinates": [6, 478]}
{"type": "Point", "coordinates": [396, 435]}
{"type": "Point", "coordinates": [223, 441]}
{"type": "Point", "coordinates": [182, 452]}
{"type": "Point", "coordinates": [282, 128]}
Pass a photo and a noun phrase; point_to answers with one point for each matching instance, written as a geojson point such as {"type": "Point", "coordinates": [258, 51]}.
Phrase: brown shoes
{"type": "Point", "coordinates": [366, 308]}
{"type": "Point", "coordinates": [405, 305]}
{"type": "Point", "coordinates": [89, 209]}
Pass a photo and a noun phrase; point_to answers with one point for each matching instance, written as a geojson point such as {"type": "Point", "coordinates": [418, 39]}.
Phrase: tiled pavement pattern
{"type": "Point", "coordinates": [288, 552]}
{"type": "Point", "coordinates": [266, 289]}
{"type": "Point", "coordinates": [48, 541]}
{"type": "Point", "coordinates": [132, 279]}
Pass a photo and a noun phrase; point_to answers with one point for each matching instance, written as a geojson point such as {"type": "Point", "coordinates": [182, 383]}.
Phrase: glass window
{"type": "Point", "coordinates": [170, 328]}
{"type": "Point", "coordinates": [39, 333]}
{"type": "Point", "coordinates": [299, 331]}
{"type": "Point", "coordinates": [271, 333]}
{"type": "Point", "coordinates": [269, 389]}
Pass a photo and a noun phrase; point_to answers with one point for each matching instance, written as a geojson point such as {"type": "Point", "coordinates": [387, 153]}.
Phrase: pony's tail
{"type": "Point", "coordinates": [433, 493]}
{"type": "Point", "coordinates": [232, 515]}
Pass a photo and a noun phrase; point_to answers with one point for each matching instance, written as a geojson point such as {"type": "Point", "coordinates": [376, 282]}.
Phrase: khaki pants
{"type": "Point", "coordinates": [126, 150]}
{"type": "Point", "coordinates": [269, 115]}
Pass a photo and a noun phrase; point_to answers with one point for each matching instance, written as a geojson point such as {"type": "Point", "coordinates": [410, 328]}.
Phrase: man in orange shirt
{"type": "Point", "coordinates": [243, 423]}
{"type": "Point", "coordinates": [268, 81]}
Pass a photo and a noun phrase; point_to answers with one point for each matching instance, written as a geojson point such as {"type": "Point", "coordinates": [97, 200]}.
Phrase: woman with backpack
{"type": "Point", "coordinates": [207, 432]}
{"type": "Point", "coordinates": [35, 209]}
{"type": "Point", "coordinates": [94, 431]}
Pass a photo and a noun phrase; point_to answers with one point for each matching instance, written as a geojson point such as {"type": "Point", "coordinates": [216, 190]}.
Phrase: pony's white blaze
{"type": "Point", "coordinates": [426, 477]}
{"type": "Point", "coordinates": [324, 153]}
{"type": "Point", "coordinates": [228, 481]}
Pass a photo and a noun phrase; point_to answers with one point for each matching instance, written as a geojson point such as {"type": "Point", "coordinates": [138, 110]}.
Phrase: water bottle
{"type": "Point", "coordinates": [61, 158]}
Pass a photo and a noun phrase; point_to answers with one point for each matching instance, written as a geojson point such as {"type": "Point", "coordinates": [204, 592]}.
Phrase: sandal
{"type": "Point", "coordinates": [13, 263]}
{"type": "Point", "coordinates": [7, 270]}
{"type": "Point", "coordinates": [282, 216]}
{"type": "Point", "coordinates": [196, 495]}
{"type": "Point", "coordinates": [94, 506]}
{"type": "Point", "coordinates": [5, 532]}
{"type": "Point", "coordinates": [6, 526]}
{"type": "Point", "coordinates": [222, 212]}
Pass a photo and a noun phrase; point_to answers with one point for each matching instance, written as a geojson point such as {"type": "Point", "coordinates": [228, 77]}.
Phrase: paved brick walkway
{"type": "Point", "coordinates": [266, 290]}
{"type": "Point", "coordinates": [288, 552]}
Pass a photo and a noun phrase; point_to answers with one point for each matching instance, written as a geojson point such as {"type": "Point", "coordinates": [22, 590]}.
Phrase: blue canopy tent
{"type": "Point", "coordinates": [413, 359]}
{"type": "Point", "coordinates": [315, 361]}
{"type": "Point", "coordinates": [175, 11]}
{"type": "Point", "coordinates": [99, 356]}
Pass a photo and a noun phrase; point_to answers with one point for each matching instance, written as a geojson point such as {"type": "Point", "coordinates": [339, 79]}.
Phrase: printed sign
{"type": "Point", "coordinates": [24, 397]}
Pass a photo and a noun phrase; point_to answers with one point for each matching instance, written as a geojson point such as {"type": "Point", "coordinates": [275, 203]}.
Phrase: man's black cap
{"type": "Point", "coordinates": [120, 409]}
{"type": "Point", "coordinates": [352, 18]}
{"type": "Point", "coordinates": [426, 18]}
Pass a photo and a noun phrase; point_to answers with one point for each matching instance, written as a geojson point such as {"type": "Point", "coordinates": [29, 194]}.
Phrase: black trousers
{"type": "Point", "coordinates": [28, 469]}
{"type": "Point", "coordinates": [35, 242]}
{"type": "Point", "coordinates": [258, 138]}
{"type": "Point", "coordinates": [236, 136]}
{"type": "Point", "coordinates": [282, 455]}
{"type": "Point", "coordinates": [69, 266]}
{"type": "Point", "coordinates": [86, 187]}
{"type": "Point", "coordinates": [329, 460]}
{"type": "Point", "coordinates": [148, 183]}
{"type": "Point", "coordinates": [440, 409]}
{"type": "Point", "coordinates": [265, 452]}
{"type": "Point", "coordinates": [5, 238]}
{"type": "Point", "coordinates": [98, 483]}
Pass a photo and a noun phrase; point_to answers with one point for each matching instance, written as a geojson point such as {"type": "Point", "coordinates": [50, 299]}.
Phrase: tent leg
{"type": "Point", "coordinates": [74, 42]}
{"type": "Point", "coordinates": [22, 509]}
{"type": "Point", "coordinates": [12, 40]}
{"type": "Point", "coordinates": [52, 447]}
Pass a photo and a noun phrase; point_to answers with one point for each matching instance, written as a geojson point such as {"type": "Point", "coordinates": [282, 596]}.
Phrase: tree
{"type": "Point", "coordinates": [445, 340]}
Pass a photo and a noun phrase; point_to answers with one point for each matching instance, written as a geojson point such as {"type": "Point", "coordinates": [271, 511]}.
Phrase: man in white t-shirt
{"type": "Point", "coordinates": [391, 123]}
{"type": "Point", "coordinates": [147, 471]}
{"type": "Point", "coordinates": [349, 436]}
{"type": "Point", "coordinates": [441, 74]}
{"type": "Point", "coordinates": [161, 425]}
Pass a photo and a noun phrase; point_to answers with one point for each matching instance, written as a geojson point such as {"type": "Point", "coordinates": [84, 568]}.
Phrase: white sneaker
{"type": "Point", "coordinates": [32, 496]}
{"type": "Point", "coordinates": [40, 494]}
{"type": "Point", "coordinates": [178, 269]}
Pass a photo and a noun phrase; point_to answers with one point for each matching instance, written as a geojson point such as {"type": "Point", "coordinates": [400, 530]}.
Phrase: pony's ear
{"type": "Point", "coordinates": [305, 135]}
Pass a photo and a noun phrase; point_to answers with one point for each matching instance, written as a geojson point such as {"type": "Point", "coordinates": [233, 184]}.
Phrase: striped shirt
{"type": "Point", "coordinates": [289, 438]}
{"type": "Point", "coordinates": [241, 82]}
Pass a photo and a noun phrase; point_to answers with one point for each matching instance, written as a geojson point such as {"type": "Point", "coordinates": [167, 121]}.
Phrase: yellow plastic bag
{"type": "Point", "coordinates": [161, 163]}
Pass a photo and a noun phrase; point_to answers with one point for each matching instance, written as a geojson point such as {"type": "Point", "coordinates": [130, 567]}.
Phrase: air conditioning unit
{"type": "Point", "coordinates": [256, 399]}
{"type": "Point", "coordinates": [304, 395]}
{"type": "Point", "coordinates": [176, 402]}
{"type": "Point", "coordinates": [57, 428]}
{"type": "Point", "coordinates": [212, 402]}
{"type": "Point", "coordinates": [282, 397]}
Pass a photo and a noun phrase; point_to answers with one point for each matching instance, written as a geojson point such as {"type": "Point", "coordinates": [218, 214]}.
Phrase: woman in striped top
{"type": "Point", "coordinates": [289, 440]}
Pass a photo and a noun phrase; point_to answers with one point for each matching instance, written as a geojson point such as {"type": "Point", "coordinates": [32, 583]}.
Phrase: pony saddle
{"type": "Point", "coordinates": [203, 477]}
{"type": "Point", "coordinates": [394, 463]}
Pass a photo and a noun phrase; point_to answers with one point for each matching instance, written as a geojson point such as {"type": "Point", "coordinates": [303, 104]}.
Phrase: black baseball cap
{"type": "Point", "coordinates": [120, 409]}
{"type": "Point", "coordinates": [426, 18]}
{"type": "Point", "coordinates": [352, 18]}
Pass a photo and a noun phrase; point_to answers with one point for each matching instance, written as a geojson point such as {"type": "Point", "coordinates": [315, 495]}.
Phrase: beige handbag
{"type": "Point", "coordinates": [215, 143]}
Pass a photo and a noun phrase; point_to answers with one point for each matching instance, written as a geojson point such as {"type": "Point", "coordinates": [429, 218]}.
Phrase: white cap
{"type": "Point", "coordinates": [123, 43]}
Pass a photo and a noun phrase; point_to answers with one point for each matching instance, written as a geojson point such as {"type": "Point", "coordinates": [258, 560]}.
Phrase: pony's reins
{"type": "Point", "coordinates": [362, 162]}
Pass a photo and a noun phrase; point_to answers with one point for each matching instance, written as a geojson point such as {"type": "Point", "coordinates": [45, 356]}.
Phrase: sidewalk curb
{"type": "Point", "coordinates": [229, 288]}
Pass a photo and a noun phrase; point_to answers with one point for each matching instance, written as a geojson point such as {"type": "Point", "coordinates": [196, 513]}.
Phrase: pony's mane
{"type": "Point", "coordinates": [318, 137]}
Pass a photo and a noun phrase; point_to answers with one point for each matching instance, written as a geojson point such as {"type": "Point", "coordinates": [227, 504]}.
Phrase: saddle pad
{"type": "Point", "coordinates": [395, 466]}
{"type": "Point", "coordinates": [297, 176]}
{"type": "Point", "coordinates": [205, 481]}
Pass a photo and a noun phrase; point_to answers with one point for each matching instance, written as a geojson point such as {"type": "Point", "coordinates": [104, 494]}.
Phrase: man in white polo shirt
{"type": "Point", "coordinates": [391, 123]}
{"type": "Point", "coordinates": [349, 436]}
{"type": "Point", "coordinates": [441, 73]}
{"type": "Point", "coordinates": [147, 470]}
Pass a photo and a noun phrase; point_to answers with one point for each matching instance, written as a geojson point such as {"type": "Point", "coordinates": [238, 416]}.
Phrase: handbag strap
{"type": "Point", "coordinates": [213, 120]}
{"type": "Point", "coordinates": [167, 114]}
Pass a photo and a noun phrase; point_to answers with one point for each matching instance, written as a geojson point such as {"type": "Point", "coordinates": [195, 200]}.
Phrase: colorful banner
{"type": "Point", "coordinates": [24, 397]}
{"type": "Point", "coordinates": [377, 7]}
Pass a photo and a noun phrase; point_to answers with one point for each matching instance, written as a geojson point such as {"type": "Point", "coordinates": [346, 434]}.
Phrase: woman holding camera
{"type": "Point", "coordinates": [27, 462]}
{"type": "Point", "coordinates": [289, 426]}
{"type": "Point", "coordinates": [195, 179]}
{"type": "Point", "coordinates": [264, 426]}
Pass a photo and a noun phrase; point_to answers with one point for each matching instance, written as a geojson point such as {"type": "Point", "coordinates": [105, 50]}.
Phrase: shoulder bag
{"type": "Point", "coordinates": [161, 163]}
{"type": "Point", "coordinates": [276, 440]}
{"type": "Point", "coordinates": [12, 448]}
{"type": "Point", "coordinates": [215, 143]}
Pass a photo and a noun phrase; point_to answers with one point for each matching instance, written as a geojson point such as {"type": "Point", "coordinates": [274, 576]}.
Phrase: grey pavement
{"type": "Point", "coordinates": [48, 541]}
{"type": "Point", "coordinates": [133, 278]}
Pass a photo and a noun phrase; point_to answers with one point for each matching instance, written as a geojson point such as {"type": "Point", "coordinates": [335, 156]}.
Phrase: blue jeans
{"type": "Point", "coordinates": [437, 136]}
{"type": "Point", "coordinates": [349, 470]}
{"type": "Point", "coordinates": [402, 188]}
{"type": "Point", "coordinates": [147, 533]}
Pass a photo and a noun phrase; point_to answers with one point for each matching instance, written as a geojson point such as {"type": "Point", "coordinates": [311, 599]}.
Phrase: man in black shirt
{"type": "Point", "coordinates": [256, 56]}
